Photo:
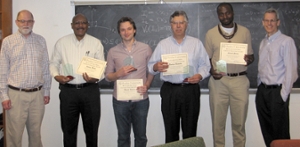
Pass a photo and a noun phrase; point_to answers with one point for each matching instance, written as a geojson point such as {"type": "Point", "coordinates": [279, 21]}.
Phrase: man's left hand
{"type": "Point", "coordinates": [142, 89]}
{"type": "Point", "coordinates": [194, 79]}
{"type": "Point", "coordinates": [89, 79]}
{"type": "Point", "coordinates": [249, 59]}
{"type": "Point", "coordinates": [46, 100]}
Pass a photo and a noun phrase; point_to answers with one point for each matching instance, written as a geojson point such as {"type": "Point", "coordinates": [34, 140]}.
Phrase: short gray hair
{"type": "Point", "coordinates": [179, 13]}
{"type": "Point", "coordinates": [272, 10]}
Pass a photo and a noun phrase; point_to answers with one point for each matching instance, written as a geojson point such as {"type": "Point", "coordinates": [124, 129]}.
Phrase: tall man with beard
{"type": "Point", "coordinates": [79, 94]}
{"type": "Point", "coordinates": [25, 82]}
{"type": "Point", "coordinates": [228, 90]}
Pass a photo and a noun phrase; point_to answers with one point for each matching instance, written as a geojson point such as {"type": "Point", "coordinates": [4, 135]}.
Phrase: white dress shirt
{"type": "Point", "coordinates": [68, 52]}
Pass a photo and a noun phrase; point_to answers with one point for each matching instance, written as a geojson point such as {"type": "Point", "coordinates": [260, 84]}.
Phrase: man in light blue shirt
{"type": "Point", "coordinates": [277, 71]}
{"type": "Point", "coordinates": [180, 93]}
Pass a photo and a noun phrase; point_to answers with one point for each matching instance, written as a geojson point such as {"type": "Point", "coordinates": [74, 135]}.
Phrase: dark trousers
{"type": "Point", "coordinates": [84, 101]}
{"type": "Point", "coordinates": [273, 114]}
{"type": "Point", "coordinates": [180, 104]}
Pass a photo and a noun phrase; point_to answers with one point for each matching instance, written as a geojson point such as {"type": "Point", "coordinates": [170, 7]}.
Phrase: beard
{"type": "Point", "coordinates": [25, 30]}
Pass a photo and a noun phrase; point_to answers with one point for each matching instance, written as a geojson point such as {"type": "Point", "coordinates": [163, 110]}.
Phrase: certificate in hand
{"type": "Point", "coordinates": [127, 89]}
{"type": "Point", "coordinates": [233, 53]}
{"type": "Point", "coordinates": [178, 63]}
{"type": "Point", "coordinates": [93, 67]}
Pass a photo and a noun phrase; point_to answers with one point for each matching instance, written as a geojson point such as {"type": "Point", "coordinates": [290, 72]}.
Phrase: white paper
{"type": "Point", "coordinates": [127, 89]}
{"type": "Point", "coordinates": [178, 63]}
{"type": "Point", "coordinates": [233, 53]}
{"type": "Point", "coordinates": [93, 67]}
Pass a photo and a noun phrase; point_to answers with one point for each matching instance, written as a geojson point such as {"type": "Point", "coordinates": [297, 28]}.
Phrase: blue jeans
{"type": "Point", "coordinates": [135, 113]}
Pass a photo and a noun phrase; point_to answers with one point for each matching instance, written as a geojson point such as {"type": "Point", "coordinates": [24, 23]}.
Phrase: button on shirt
{"type": "Point", "coordinates": [278, 62]}
{"type": "Point", "coordinates": [24, 63]}
{"type": "Point", "coordinates": [198, 59]}
{"type": "Point", "coordinates": [68, 53]}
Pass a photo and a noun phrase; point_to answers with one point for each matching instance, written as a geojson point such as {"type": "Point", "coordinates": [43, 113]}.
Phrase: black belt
{"type": "Point", "coordinates": [77, 86]}
{"type": "Point", "coordinates": [236, 74]}
{"type": "Point", "coordinates": [179, 84]}
{"type": "Point", "coordinates": [25, 90]}
{"type": "Point", "coordinates": [270, 86]}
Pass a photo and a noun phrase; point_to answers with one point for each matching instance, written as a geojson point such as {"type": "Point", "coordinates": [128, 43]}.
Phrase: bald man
{"type": "Point", "coordinates": [25, 82]}
{"type": "Point", "coordinates": [79, 94]}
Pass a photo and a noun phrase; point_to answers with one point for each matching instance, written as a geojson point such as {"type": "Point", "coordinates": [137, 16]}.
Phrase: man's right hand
{"type": "Point", "coordinates": [160, 66]}
{"type": "Point", "coordinates": [216, 76]}
{"type": "Point", "coordinates": [62, 79]}
{"type": "Point", "coordinates": [124, 71]}
{"type": "Point", "coordinates": [6, 104]}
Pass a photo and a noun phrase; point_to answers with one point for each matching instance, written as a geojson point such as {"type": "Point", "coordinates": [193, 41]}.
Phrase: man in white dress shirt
{"type": "Point", "coordinates": [79, 93]}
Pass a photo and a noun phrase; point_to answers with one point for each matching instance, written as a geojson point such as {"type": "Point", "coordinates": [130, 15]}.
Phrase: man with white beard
{"type": "Point", "coordinates": [25, 82]}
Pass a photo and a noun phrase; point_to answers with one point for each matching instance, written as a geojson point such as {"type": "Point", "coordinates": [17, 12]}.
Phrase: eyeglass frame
{"type": "Point", "coordinates": [178, 22]}
{"type": "Point", "coordinates": [272, 20]}
{"type": "Point", "coordinates": [80, 22]}
{"type": "Point", "coordinates": [24, 21]}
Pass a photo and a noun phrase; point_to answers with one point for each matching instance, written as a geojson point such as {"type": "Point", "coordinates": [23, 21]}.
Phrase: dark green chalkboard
{"type": "Point", "coordinates": [152, 21]}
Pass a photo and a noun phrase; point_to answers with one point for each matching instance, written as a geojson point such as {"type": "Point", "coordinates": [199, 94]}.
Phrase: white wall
{"type": "Point", "coordinates": [52, 20]}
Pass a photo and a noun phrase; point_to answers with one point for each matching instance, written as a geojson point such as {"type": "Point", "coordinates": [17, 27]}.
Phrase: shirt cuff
{"type": "Point", "coordinates": [4, 98]}
{"type": "Point", "coordinates": [46, 92]}
{"type": "Point", "coordinates": [284, 97]}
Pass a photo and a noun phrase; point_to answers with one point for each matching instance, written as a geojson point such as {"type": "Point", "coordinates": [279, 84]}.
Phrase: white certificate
{"type": "Point", "coordinates": [127, 89]}
{"type": "Point", "coordinates": [178, 63]}
{"type": "Point", "coordinates": [93, 67]}
{"type": "Point", "coordinates": [233, 53]}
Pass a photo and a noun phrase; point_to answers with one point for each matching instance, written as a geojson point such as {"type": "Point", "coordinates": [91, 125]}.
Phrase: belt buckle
{"type": "Point", "coordinates": [265, 86]}
{"type": "Point", "coordinates": [79, 86]}
{"type": "Point", "coordinates": [37, 89]}
{"type": "Point", "coordinates": [233, 74]}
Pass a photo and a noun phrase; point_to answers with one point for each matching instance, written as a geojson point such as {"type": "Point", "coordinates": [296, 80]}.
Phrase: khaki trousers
{"type": "Point", "coordinates": [229, 93]}
{"type": "Point", "coordinates": [27, 110]}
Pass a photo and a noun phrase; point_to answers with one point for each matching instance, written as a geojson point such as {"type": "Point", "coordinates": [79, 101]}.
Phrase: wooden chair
{"type": "Point", "coordinates": [286, 143]}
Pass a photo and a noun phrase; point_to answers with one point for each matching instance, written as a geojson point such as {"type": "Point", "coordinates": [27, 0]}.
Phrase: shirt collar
{"type": "Point", "coordinates": [76, 40]}
{"type": "Point", "coordinates": [20, 34]}
{"type": "Point", "coordinates": [133, 44]}
{"type": "Point", "coordinates": [274, 36]}
{"type": "Point", "coordinates": [174, 40]}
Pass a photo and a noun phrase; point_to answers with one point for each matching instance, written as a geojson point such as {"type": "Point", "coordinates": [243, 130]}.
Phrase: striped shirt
{"type": "Point", "coordinates": [24, 63]}
{"type": "Point", "coordinates": [198, 59]}
{"type": "Point", "coordinates": [139, 56]}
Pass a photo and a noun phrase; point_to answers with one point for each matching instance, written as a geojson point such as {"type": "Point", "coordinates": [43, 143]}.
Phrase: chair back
{"type": "Point", "coordinates": [188, 142]}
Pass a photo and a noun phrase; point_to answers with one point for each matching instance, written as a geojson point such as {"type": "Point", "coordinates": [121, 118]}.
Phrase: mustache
{"type": "Point", "coordinates": [26, 27]}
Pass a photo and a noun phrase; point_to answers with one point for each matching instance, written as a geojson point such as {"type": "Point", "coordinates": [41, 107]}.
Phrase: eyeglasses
{"type": "Point", "coordinates": [80, 22]}
{"type": "Point", "coordinates": [272, 20]}
{"type": "Point", "coordinates": [24, 21]}
{"type": "Point", "coordinates": [178, 22]}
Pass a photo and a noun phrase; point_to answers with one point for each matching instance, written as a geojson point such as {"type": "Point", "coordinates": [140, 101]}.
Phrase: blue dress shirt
{"type": "Point", "coordinates": [278, 62]}
{"type": "Point", "coordinates": [197, 57]}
